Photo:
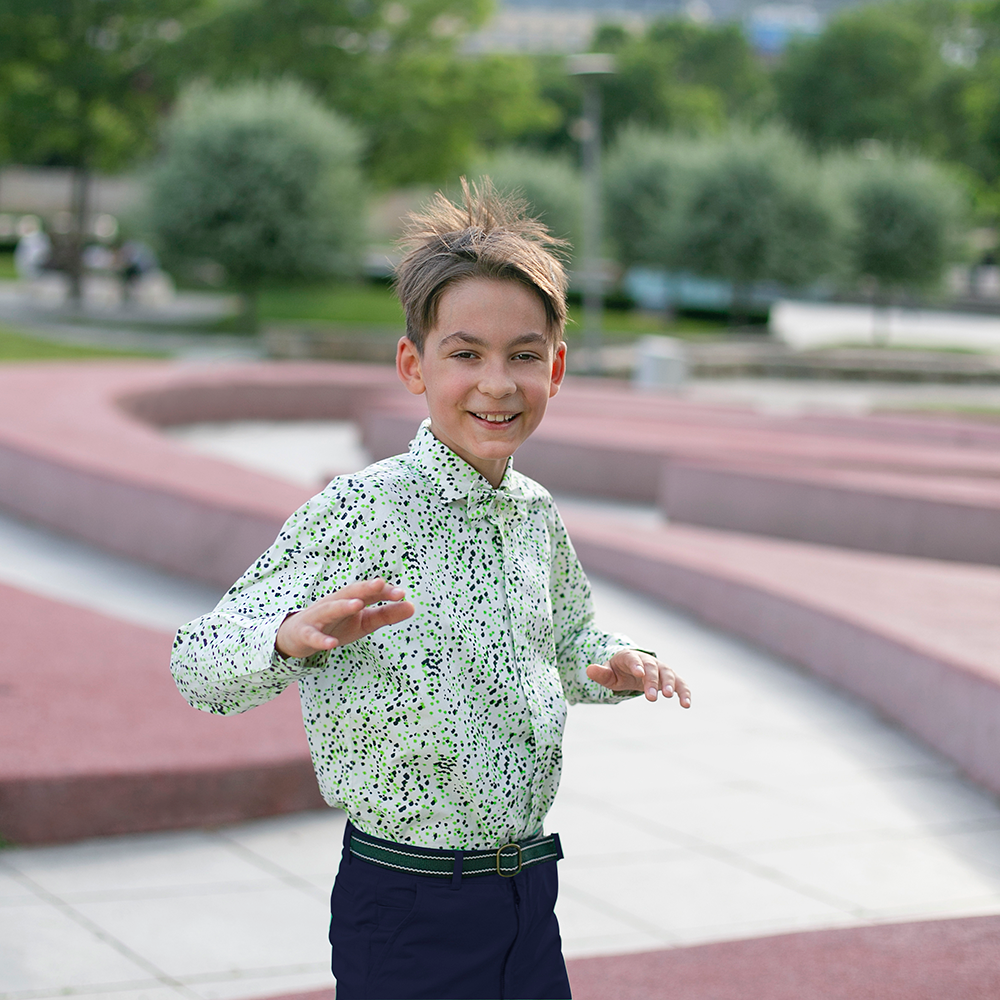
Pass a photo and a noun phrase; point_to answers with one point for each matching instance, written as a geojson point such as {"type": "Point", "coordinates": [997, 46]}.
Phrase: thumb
{"type": "Point", "coordinates": [601, 673]}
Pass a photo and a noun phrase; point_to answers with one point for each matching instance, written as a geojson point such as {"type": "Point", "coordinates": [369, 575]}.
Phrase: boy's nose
{"type": "Point", "coordinates": [497, 382]}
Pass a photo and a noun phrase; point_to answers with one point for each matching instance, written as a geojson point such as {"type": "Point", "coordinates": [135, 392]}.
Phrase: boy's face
{"type": "Point", "coordinates": [488, 368]}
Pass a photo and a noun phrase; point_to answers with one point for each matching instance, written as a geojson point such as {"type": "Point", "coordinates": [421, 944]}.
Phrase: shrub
{"type": "Point", "coordinates": [760, 212]}
{"type": "Point", "coordinates": [744, 207]}
{"type": "Point", "coordinates": [550, 185]}
{"type": "Point", "coordinates": [262, 180]}
{"type": "Point", "coordinates": [903, 216]}
{"type": "Point", "coordinates": [647, 180]}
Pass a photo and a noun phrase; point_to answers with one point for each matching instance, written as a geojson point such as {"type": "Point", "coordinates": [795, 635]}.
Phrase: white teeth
{"type": "Point", "coordinates": [496, 418]}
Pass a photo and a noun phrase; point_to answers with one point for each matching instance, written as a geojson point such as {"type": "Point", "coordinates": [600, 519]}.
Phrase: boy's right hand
{"type": "Point", "coordinates": [341, 618]}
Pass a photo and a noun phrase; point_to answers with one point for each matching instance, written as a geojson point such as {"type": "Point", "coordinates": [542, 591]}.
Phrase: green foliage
{"type": "Point", "coordinates": [875, 72]}
{"type": "Point", "coordinates": [675, 75]}
{"type": "Point", "coordinates": [262, 180]}
{"type": "Point", "coordinates": [922, 75]}
{"type": "Point", "coordinates": [683, 75]}
{"type": "Point", "coordinates": [744, 207]}
{"type": "Point", "coordinates": [647, 181]}
{"type": "Point", "coordinates": [82, 83]}
{"type": "Point", "coordinates": [427, 116]}
{"type": "Point", "coordinates": [980, 98]}
{"type": "Point", "coordinates": [904, 215]}
{"type": "Point", "coordinates": [550, 185]}
{"type": "Point", "coordinates": [391, 67]}
{"type": "Point", "coordinates": [758, 214]}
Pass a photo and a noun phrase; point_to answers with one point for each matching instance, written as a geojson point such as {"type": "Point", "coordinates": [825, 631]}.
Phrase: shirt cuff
{"type": "Point", "coordinates": [282, 667]}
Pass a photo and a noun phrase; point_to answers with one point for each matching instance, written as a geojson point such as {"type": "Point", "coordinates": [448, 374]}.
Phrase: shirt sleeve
{"type": "Point", "coordinates": [579, 641]}
{"type": "Point", "coordinates": [225, 662]}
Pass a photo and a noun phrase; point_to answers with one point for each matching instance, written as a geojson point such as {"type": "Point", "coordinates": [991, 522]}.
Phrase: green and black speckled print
{"type": "Point", "coordinates": [444, 730]}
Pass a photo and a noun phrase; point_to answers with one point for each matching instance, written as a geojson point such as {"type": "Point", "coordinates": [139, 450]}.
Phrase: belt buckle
{"type": "Point", "coordinates": [500, 850]}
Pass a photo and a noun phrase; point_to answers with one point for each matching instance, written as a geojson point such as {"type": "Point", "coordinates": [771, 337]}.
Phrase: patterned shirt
{"type": "Point", "coordinates": [444, 730]}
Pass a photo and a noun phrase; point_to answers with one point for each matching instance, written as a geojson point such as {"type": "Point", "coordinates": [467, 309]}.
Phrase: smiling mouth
{"type": "Point", "coordinates": [496, 418]}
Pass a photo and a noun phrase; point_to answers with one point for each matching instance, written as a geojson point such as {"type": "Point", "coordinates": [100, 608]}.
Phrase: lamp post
{"type": "Point", "coordinates": [590, 67]}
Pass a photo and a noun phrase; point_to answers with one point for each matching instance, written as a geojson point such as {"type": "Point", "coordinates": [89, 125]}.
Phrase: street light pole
{"type": "Point", "coordinates": [590, 67]}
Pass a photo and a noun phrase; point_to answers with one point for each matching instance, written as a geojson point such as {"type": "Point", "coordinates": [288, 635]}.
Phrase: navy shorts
{"type": "Point", "coordinates": [418, 937]}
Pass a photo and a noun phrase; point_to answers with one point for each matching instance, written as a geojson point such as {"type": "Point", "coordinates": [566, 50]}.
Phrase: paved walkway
{"type": "Point", "coordinates": [169, 328]}
{"type": "Point", "coordinates": [775, 804]}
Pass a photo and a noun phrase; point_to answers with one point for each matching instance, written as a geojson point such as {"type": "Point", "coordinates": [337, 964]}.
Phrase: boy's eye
{"type": "Point", "coordinates": [464, 354]}
{"type": "Point", "coordinates": [526, 356]}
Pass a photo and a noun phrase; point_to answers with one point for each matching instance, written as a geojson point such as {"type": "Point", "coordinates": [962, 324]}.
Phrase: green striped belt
{"type": "Point", "coordinates": [506, 861]}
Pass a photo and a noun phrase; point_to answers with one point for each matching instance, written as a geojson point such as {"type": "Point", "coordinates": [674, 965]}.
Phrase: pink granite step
{"type": "Point", "coordinates": [918, 639]}
{"type": "Point", "coordinates": [79, 453]}
{"type": "Point", "coordinates": [928, 960]}
{"type": "Point", "coordinates": [95, 739]}
{"type": "Point", "coordinates": [932, 960]}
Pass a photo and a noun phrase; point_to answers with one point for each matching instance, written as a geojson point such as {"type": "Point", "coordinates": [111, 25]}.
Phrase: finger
{"type": "Point", "coordinates": [332, 610]}
{"type": "Point", "coordinates": [651, 678]}
{"type": "Point", "coordinates": [628, 662]}
{"type": "Point", "coordinates": [603, 674]}
{"type": "Point", "coordinates": [391, 593]}
{"type": "Point", "coordinates": [683, 692]}
{"type": "Point", "coordinates": [370, 591]}
{"type": "Point", "coordinates": [381, 591]}
{"type": "Point", "coordinates": [385, 614]}
{"type": "Point", "coordinates": [667, 680]}
{"type": "Point", "coordinates": [313, 638]}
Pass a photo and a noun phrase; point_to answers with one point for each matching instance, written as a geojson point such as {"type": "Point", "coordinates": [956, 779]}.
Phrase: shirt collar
{"type": "Point", "coordinates": [452, 478]}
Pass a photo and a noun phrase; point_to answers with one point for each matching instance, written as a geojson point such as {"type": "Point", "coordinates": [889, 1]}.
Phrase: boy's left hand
{"type": "Point", "coordinates": [631, 670]}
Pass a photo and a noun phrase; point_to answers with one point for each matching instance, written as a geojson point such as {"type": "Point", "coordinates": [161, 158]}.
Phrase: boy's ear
{"type": "Point", "coordinates": [558, 368]}
{"type": "Point", "coordinates": [408, 366]}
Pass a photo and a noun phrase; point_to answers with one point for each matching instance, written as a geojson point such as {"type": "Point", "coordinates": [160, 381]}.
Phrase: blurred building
{"type": "Point", "coordinates": [569, 25]}
{"type": "Point", "coordinates": [563, 25]}
{"type": "Point", "coordinates": [772, 26]}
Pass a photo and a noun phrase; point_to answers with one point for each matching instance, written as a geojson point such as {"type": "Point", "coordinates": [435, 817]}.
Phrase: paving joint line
{"type": "Point", "coordinates": [81, 920]}
{"type": "Point", "coordinates": [733, 859]}
{"type": "Point", "coordinates": [90, 990]}
{"type": "Point", "coordinates": [602, 906]}
{"type": "Point", "coordinates": [267, 972]}
{"type": "Point", "coordinates": [272, 868]}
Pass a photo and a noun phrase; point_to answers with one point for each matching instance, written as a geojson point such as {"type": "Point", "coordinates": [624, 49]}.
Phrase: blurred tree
{"type": "Point", "coordinates": [904, 216]}
{"type": "Point", "coordinates": [428, 115]}
{"type": "Point", "coordinates": [872, 74]}
{"type": "Point", "coordinates": [550, 185]}
{"type": "Point", "coordinates": [759, 212]}
{"type": "Point", "coordinates": [981, 96]}
{"type": "Point", "coordinates": [675, 75]}
{"type": "Point", "coordinates": [745, 207]}
{"type": "Point", "coordinates": [393, 67]}
{"type": "Point", "coordinates": [263, 180]}
{"type": "Point", "coordinates": [81, 85]}
{"type": "Point", "coordinates": [647, 179]}
{"type": "Point", "coordinates": [682, 75]}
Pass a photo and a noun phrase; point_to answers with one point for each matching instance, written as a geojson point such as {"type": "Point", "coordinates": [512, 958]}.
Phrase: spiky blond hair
{"type": "Point", "coordinates": [486, 235]}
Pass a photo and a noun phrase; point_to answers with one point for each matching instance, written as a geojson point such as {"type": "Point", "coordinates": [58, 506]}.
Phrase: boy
{"type": "Point", "coordinates": [440, 735]}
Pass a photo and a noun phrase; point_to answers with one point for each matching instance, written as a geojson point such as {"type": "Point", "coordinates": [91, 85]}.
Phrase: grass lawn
{"type": "Point", "coordinates": [16, 346]}
{"type": "Point", "coordinates": [354, 304]}
{"type": "Point", "coordinates": [360, 305]}
{"type": "Point", "coordinates": [7, 271]}
{"type": "Point", "coordinates": [625, 325]}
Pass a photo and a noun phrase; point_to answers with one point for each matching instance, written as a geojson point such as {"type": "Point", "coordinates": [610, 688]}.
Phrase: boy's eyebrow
{"type": "Point", "coordinates": [471, 338]}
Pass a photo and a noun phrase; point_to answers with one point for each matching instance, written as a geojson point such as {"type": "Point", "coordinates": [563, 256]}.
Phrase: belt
{"type": "Point", "coordinates": [506, 861]}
